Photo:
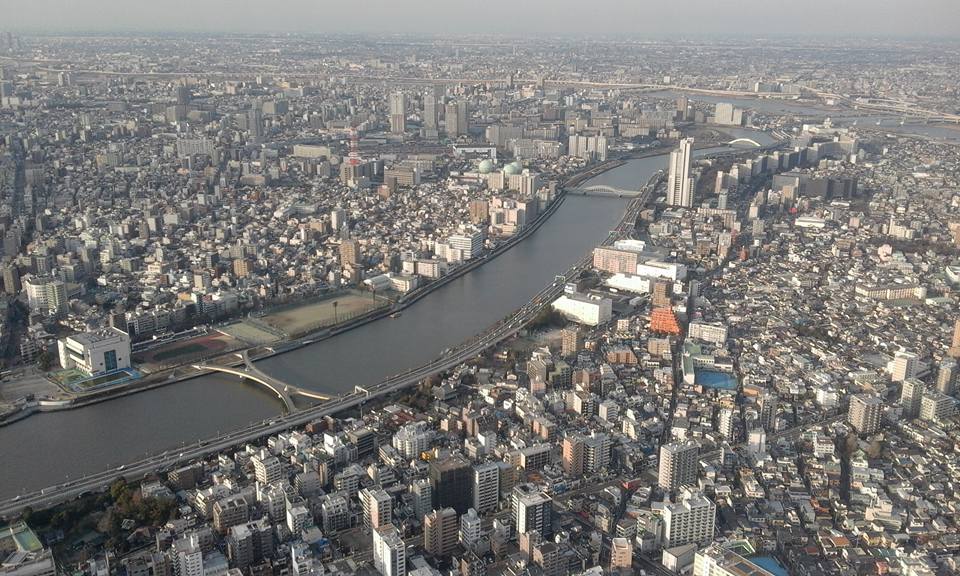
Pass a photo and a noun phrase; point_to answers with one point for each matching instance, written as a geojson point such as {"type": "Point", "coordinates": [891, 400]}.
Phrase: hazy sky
{"type": "Point", "coordinates": [640, 17]}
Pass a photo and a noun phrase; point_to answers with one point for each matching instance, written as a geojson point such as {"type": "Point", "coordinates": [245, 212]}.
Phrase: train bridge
{"type": "Point", "coordinates": [285, 392]}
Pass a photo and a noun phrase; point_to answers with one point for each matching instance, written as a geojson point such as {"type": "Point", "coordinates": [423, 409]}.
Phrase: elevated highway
{"type": "Point", "coordinates": [469, 350]}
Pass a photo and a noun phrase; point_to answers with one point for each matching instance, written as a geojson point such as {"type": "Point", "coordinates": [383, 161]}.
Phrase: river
{"type": "Point", "coordinates": [46, 449]}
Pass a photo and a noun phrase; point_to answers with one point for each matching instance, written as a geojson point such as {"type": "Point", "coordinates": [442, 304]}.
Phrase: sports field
{"type": "Point", "coordinates": [299, 320]}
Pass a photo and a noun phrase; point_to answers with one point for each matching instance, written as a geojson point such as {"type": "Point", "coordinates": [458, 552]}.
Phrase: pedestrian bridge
{"type": "Point", "coordinates": [285, 392]}
{"type": "Point", "coordinates": [604, 190]}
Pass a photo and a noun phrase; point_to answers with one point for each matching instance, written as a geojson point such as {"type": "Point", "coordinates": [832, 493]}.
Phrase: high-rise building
{"type": "Point", "coordinates": [767, 406]}
{"type": "Point", "coordinates": [266, 467]}
{"type": "Point", "coordinates": [621, 556]}
{"type": "Point", "coordinates": [571, 341]}
{"type": "Point", "coordinates": [456, 119]}
{"type": "Point", "coordinates": [486, 487]}
{"type": "Point", "coordinates": [398, 112]}
{"type": "Point", "coordinates": [389, 551]}
{"type": "Point", "coordinates": [377, 507]}
{"type": "Point", "coordinates": [452, 481]}
{"type": "Point", "coordinates": [11, 280]}
{"type": "Point", "coordinates": [910, 393]}
{"type": "Point", "coordinates": [864, 413]}
{"type": "Point", "coordinates": [596, 452]}
{"type": "Point", "coordinates": [936, 407]}
{"type": "Point", "coordinates": [532, 510]}
{"type": "Point", "coordinates": [422, 493]}
{"type": "Point", "coordinates": [947, 376]}
{"type": "Point", "coordinates": [904, 366]}
{"type": "Point", "coordinates": [338, 219]}
{"type": "Point", "coordinates": [678, 465]}
{"type": "Point", "coordinates": [691, 520]}
{"type": "Point", "coordinates": [954, 351]}
{"type": "Point", "coordinates": [412, 439]}
{"type": "Point", "coordinates": [230, 511]}
{"type": "Point", "coordinates": [679, 182]}
{"type": "Point", "coordinates": [725, 423]}
{"type": "Point", "coordinates": [470, 529]}
{"type": "Point", "coordinates": [430, 119]}
{"type": "Point", "coordinates": [349, 252]}
{"type": "Point", "coordinates": [573, 456]}
{"type": "Point", "coordinates": [440, 532]}
{"type": "Point", "coordinates": [188, 557]}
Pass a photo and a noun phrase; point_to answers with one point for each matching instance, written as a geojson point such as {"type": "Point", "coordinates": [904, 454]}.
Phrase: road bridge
{"type": "Point", "coordinates": [284, 391]}
{"type": "Point", "coordinates": [604, 190]}
{"type": "Point", "coordinates": [744, 141]}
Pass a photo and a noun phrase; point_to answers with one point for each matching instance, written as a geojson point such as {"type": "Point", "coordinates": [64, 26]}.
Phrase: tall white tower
{"type": "Point", "coordinates": [679, 183]}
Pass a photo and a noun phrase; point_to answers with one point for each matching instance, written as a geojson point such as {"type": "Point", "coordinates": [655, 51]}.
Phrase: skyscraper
{"type": "Point", "coordinates": [430, 119]}
{"type": "Point", "coordinates": [678, 465]}
{"type": "Point", "coordinates": [398, 112]}
{"type": "Point", "coordinates": [679, 182]}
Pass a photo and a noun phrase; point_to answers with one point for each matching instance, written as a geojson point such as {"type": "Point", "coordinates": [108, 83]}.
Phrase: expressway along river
{"type": "Point", "coordinates": [47, 449]}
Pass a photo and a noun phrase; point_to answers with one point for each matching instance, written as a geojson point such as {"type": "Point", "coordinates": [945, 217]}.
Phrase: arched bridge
{"type": "Point", "coordinates": [744, 141]}
{"type": "Point", "coordinates": [249, 371]}
{"type": "Point", "coordinates": [604, 190]}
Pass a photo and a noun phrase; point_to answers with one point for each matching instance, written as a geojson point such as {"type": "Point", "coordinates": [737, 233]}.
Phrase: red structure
{"type": "Point", "coordinates": [664, 321]}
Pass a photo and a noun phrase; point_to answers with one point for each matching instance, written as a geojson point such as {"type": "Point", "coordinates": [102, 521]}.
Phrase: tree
{"type": "Point", "coordinates": [45, 360]}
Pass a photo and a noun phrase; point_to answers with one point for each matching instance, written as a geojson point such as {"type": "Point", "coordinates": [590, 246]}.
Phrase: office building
{"type": "Point", "coordinates": [691, 520]}
{"type": "Point", "coordinates": [532, 510]}
{"type": "Point", "coordinates": [864, 413]}
{"type": "Point", "coordinates": [440, 532]}
{"type": "Point", "coordinates": [430, 117]}
{"type": "Point", "coordinates": [456, 119]}
{"type": "Point", "coordinates": [726, 114]}
{"type": "Point", "coordinates": [469, 243]}
{"type": "Point", "coordinates": [398, 112]}
{"type": "Point", "coordinates": [680, 184]}
{"type": "Point", "coordinates": [100, 352]}
{"type": "Point", "coordinates": [486, 487]}
{"type": "Point", "coordinates": [678, 465]}
{"type": "Point", "coordinates": [452, 482]}
{"type": "Point", "coordinates": [389, 551]}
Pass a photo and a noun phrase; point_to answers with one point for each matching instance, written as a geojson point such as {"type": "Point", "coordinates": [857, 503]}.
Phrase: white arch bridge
{"type": "Point", "coordinates": [248, 370]}
{"type": "Point", "coordinates": [744, 141]}
{"type": "Point", "coordinates": [604, 190]}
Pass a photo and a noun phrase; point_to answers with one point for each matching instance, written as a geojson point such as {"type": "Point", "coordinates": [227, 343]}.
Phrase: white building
{"type": "Point", "coordinates": [708, 332]}
{"type": "Point", "coordinates": [691, 520]}
{"type": "Point", "coordinates": [412, 439]}
{"type": "Point", "coordinates": [679, 183]}
{"type": "Point", "coordinates": [99, 352]}
{"type": "Point", "coordinates": [470, 243]}
{"type": "Point", "coordinates": [658, 269]}
{"type": "Point", "coordinates": [584, 309]}
{"type": "Point", "coordinates": [389, 551]}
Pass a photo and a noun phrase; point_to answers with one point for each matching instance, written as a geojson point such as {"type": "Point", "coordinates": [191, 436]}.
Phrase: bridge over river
{"type": "Point", "coordinates": [284, 391]}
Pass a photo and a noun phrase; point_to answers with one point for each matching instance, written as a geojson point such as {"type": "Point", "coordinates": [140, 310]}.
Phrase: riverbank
{"type": "Point", "coordinates": [168, 377]}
